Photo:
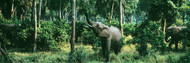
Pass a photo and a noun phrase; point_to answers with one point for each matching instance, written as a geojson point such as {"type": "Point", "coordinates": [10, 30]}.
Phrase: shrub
{"type": "Point", "coordinates": [113, 23]}
{"type": "Point", "coordinates": [51, 34]}
{"type": "Point", "coordinates": [80, 54]}
{"type": "Point", "coordinates": [148, 32]}
{"type": "Point", "coordinates": [129, 29]}
{"type": "Point", "coordinates": [88, 37]}
{"type": "Point", "coordinates": [79, 31]}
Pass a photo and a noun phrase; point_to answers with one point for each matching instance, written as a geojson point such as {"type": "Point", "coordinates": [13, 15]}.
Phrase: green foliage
{"type": "Point", "coordinates": [86, 35]}
{"type": "Point", "coordinates": [90, 38]}
{"type": "Point", "coordinates": [185, 58]}
{"type": "Point", "coordinates": [80, 55]}
{"type": "Point", "coordinates": [104, 8]}
{"type": "Point", "coordinates": [148, 32]}
{"type": "Point", "coordinates": [79, 30]}
{"type": "Point", "coordinates": [112, 23]}
{"type": "Point", "coordinates": [130, 6]}
{"type": "Point", "coordinates": [179, 22]}
{"type": "Point", "coordinates": [3, 20]}
{"type": "Point", "coordinates": [2, 59]}
{"type": "Point", "coordinates": [161, 10]}
{"type": "Point", "coordinates": [53, 33]}
{"type": "Point", "coordinates": [129, 29]}
{"type": "Point", "coordinates": [88, 5]}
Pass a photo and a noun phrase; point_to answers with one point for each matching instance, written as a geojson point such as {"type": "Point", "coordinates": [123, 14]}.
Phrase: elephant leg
{"type": "Point", "coordinates": [117, 49]}
{"type": "Point", "coordinates": [103, 48]}
{"type": "Point", "coordinates": [107, 49]}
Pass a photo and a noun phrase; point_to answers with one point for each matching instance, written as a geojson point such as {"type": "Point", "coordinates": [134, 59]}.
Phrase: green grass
{"type": "Point", "coordinates": [85, 54]}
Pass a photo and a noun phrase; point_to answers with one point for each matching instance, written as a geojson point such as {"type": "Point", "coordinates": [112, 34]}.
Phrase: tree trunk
{"type": "Point", "coordinates": [51, 15]}
{"type": "Point", "coordinates": [66, 14]}
{"type": "Point", "coordinates": [121, 17]}
{"type": "Point", "coordinates": [73, 28]}
{"type": "Point", "coordinates": [131, 18]}
{"type": "Point", "coordinates": [43, 10]}
{"type": "Point", "coordinates": [164, 29]}
{"type": "Point", "coordinates": [21, 17]}
{"type": "Point", "coordinates": [112, 10]}
{"type": "Point", "coordinates": [34, 18]}
{"type": "Point", "coordinates": [6, 8]}
{"type": "Point", "coordinates": [12, 9]}
{"type": "Point", "coordinates": [59, 9]}
{"type": "Point", "coordinates": [127, 18]}
{"type": "Point", "coordinates": [137, 20]}
{"type": "Point", "coordinates": [39, 17]}
{"type": "Point", "coordinates": [80, 19]}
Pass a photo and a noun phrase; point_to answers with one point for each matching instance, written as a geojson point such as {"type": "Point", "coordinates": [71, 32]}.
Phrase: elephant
{"type": "Point", "coordinates": [176, 35]}
{"type": "Point", "coordinates": [110, 37]}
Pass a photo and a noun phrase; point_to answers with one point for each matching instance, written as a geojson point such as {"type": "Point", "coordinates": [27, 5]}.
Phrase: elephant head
{"type": "Point", "coordinates": [174, 30]}
{"type": "Point", "coordinates": [100, 29]}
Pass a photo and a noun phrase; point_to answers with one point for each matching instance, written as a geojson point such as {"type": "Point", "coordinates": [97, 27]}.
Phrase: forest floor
{"type": "Point", "coordinates": [85, 54]}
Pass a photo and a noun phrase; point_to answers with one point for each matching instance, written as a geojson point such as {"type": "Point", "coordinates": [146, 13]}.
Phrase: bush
{"type": "Point", "coordinates": [50, 35]}
{"type": "Point", "coordinates": [148, 32]}
{"type": "Point", "coordinates": [113, 23]}
{"type": "Point", "coordinates": [80, 54]}
{"type": "Point", "coordinates": [129, 29]}
{"type": "Point", "coordinates": [86, 35]}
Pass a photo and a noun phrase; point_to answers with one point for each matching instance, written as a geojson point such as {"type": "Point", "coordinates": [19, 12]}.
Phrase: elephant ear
{"type": "Point", "coordinates": [105, 33]}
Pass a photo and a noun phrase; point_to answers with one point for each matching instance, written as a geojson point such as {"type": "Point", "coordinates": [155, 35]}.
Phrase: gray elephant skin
{"type": "Point", "coordinates": [110, 37]}
{"type": "Point", "coordinates": [175, 33]}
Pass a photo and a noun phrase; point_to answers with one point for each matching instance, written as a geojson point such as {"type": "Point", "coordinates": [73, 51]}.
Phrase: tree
{"type": "Point", "coordinates": [73, 28]}
{"type": "Point", "coordinates": [34, 18]}
{"type": "Point", "coordinates": [121, 16]}
{"type": "Point", "coordinates": [108, 9]}
{"type": "Point", "coordinates": [40, 7]}
{"type": "Point", "coordinates": [188, 12]}
{"type": "Point", "coordinates": [22, 8]}
{"type": "Point", "coordinates": [60, 9]}
{"type": "Point", "coordinates": [163, 10]}
{"type": "Point", "coordinates": [6, 6]}
{"type": "Point", "coordinates": [43, 9]}
{"type": "Point", "coordinates": [142, 9]}
{"type": "Point", "coordinates": [130, 8]}
{"type": "Point", "coordinates": [183, 9]}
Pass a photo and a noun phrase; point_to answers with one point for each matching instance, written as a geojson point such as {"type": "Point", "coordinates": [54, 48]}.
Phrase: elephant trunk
{"type": "Point", "coordinates": [88, 20]}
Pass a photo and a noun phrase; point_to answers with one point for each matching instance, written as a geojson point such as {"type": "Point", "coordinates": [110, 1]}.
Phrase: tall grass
{"type": "Point", "coordinates": [85, 54]}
